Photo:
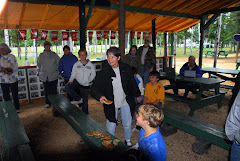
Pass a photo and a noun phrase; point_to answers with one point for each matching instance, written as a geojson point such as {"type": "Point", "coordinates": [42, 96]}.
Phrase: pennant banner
{"type": "Point", "coordinates": [132, 34]}
{"type": "Point", "coordinates": [54, 35]}
{"type": "Point", "coordinates": [138, 35]}
{"type": "Point", "coordinates": [106, 34]}
{"type": "Point", "coordinates": [99, 35]}
{"type": "Point", "coordinates": [113, 34]}
{"type": "Point", "coordinates": [44, 34]}
{"type": "Point", "coordinates": [126, 33]}
{"type": "Point", "coordinates": [34, 34]}
{"type": "Point", "coordinates": [144, 35]}
{"type": "Point", "coordinates": [150, 34]}
{"type": "Point", "coordinates": [74, 36]}
{"type": "Point", "coordinates": [90, 35]}
{"type": "Point", "coordinates": [65, 35]}
{"type": "Point", "coordinates": [23, 34]}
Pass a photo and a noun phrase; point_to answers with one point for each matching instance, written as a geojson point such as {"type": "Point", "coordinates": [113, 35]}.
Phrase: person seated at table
{"type": "Point", "coordinates": [83, 73]}
{"type": "Point", "coordinates": [191, 66]}
{"type": "Point", "coordinates": [151, 143]}
{"type": "Point", "coordinates": [154, 90]}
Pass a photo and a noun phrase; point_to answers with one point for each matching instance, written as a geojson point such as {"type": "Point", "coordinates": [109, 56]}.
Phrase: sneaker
{"type": "Point", "coordinates": [47, 106]}
{"type": "Point", "coordinates": [128, 143]}
{"type": "Point", "coordinates": [76, 102]}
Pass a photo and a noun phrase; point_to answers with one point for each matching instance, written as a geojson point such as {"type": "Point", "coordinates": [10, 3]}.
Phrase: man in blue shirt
{"type": "Point", "coordinates": [66, 64]}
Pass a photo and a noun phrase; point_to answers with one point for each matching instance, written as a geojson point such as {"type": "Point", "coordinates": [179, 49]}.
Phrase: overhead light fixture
{"type": "Point", "coordinates": [2, 5]}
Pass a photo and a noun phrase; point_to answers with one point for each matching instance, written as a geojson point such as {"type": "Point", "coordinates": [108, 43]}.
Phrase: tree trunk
{"type": "Point", "coordinates": [185, 44]}
{"type": "Point", "coordinates": [217, 38]}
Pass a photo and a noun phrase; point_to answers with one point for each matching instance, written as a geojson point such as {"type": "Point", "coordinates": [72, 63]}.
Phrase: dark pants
{"type": "Point", "coordinates": [6, 92]}
{"type": "Point", "coordinates": [69, 97]}
{"type": "Point", "coordinates": [84, 90]}
{"type": "Point", "coordinates": [50, 88]}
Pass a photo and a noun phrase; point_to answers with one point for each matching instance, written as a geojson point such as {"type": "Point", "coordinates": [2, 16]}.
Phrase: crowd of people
{"type": "Point", "coordinates": [129, 85]}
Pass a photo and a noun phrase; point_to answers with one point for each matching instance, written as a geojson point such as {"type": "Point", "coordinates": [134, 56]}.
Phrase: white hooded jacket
{"type": "Point", "coordinates": [84, 74]}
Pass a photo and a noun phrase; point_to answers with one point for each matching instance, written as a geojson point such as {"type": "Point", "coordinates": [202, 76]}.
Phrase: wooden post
{"type": "Point", "coordinates": [153, 34]}
{"type": "Point", "coordinates": [165, 51]}
{"type": "Point", "coordinates": [82, 24]}
{"type": "Point", "coordinates": [130, 38]}
{"type": "Point", "coordinates": [202, 22]}
{"type": "Point", "coordinates": [172, 48]}
{"type": "Point", "coordinates": [237, 52]}
{"type": "Point", "coordinates": [121, 27]}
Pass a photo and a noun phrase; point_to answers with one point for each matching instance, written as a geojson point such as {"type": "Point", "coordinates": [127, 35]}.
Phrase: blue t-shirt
{"type": "Point", "coordinates": [153, 146]}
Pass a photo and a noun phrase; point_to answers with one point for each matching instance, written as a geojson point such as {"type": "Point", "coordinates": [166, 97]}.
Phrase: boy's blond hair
{"type": "Point", "coordinates": [152, 114]}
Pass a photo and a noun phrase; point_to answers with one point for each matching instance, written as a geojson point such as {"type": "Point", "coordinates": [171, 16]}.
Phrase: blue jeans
{"type": "Point", "coordinates": [71, 90]}
{"type": "Point", "coordinates": [126, 122]}
{"type": "Point", "coordinates": [235, 151]}
{"type": "Point", "coordinates": [145, 75]}
{"type": "Point", "coordinates": [6, 93]}
{"type": "Point", "coordinates": [50, 88]}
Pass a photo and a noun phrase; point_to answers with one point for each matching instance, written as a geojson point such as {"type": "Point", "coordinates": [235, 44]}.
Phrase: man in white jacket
{"type": "Point", "coordinates": [82, 75]}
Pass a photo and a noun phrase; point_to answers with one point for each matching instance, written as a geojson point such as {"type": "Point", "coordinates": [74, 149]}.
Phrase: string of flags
{"type": "Point", "coordinates": [65, 35]}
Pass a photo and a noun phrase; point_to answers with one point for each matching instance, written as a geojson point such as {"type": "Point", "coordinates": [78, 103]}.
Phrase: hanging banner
{"type": "Point", "coordinates": [99, 35]}
{"type": "Point", "coordinates": [65, 35]}
{"type": "Point", "coordinates": [54, 35]}
{"type": "Point", "coordinates": [144, 35]}
{"type": "Point", "coordinates": [132, 34]}
{"type": "Point", "coordinates": [90, 35]}
{"type": "Point", "coordinates": [23, 34]}
{"type": "Point", "coordinates": [150, 34]}
{"type": "Point", "coordinates": [138, 35]}
{"type": "Point", "coordinates": [44, 34]}
{"type": "Point", "coordinates": [74, 36]}
{"type": "Point", "coordinates": [34, 33]}
{"type": "Point", "coordinates": [126, 33]}
{"type": "Point", "coordinates": [113, 34]}
{"type": "Point", "coordinates": [106, 34]}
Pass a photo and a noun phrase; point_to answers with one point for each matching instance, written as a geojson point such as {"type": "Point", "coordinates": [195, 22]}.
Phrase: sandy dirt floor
{"type": "Point", "coordinates": [52, 139]}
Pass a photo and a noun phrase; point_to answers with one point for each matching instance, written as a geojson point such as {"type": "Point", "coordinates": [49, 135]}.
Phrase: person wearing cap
{"type": "Point", "coordinates": [66, 64]}
{"type": "Point", "coordinates": [9, 75]}
{"type": "Point", "coordinates": [148, 59]}
{"type": "Point", "coordinates": [47, 68]}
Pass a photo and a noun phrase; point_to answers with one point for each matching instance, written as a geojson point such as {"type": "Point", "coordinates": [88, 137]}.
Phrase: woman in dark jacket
{"type": "Point", "coordinates": [115, 82]}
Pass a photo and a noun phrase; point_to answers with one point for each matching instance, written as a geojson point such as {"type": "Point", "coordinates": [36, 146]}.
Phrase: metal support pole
{"type": "Point", "coordinates": [82, 24]}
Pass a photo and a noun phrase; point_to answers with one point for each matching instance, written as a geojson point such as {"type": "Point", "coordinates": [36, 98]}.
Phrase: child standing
{"type": "Point", "coordinates": [154, 90]}
{"type": "Point", "coordinates": [151, 143]}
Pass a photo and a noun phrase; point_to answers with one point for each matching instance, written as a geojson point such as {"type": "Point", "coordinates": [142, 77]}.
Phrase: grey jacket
{"type": "Point", "coordinates": [47, 66]}
{"type": "Point", "coordinates": [232, 127]}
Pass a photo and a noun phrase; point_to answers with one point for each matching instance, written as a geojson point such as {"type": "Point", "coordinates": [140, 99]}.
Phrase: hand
{"type": "Point", "coordinates": [102, 98]}
{"type": "Point", "coordinates": [139, 99]}
{"type": "Point", "coordinates": [68, 83]}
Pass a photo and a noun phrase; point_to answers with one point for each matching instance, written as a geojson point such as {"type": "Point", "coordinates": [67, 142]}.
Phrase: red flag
{"type": "Point", "coordinates": [144, 35]}
{"type": "Point", "coordinates": [99, 35]}
{"type": "Point", "coordinates": [132, 34]}
{"type": "Point", "coordinates": [113, 34]}
{"type": "Point", "coordinates": [106, 34]}
{"type": "Point", "coordinates": [126, 33]}
{"type": "Point", "coordinates": [54, 35]}
{"type": "Point", "coordinates": [90, 35]}
{"type": "Point", "coordinates": [150, 34]}
{"type": "Point", "coordinates": [23, 34]}
{"type": "Point", "coordinates": [65, 35]}
{"type": "Point", "coordinates": [44, 34]}
{"type": "Point", "coordinates": [138, 35]}
{"type": "Point", "coordinates": [34, 34]}
{"type": "Point", "coordinates": [74, 36]}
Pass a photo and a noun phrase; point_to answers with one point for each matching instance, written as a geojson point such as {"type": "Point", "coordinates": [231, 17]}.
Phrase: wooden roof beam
{"type": "Point", "coordinates": [44, 15]}
{"type": "Point", "coordinates": [224, 10]}
{"type": "Point", "coordinates": [89, 12]}
{"type": "Point", "coordinates": [22, 14]}
{"type": "Point", "coordinates": [73, 18]}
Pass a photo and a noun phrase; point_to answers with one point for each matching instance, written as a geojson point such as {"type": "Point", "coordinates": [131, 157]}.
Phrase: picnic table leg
{"type": "Point", "coordinates": [219, 102]}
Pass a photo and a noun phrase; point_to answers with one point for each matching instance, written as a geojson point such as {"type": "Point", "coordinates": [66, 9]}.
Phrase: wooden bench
{"type": "Point", "coordinates": [209, 132]}
{"type": "Point", "coordinates": [14, 140]}
{"type": "Point", "coordinates": [82, 123]}
{"type": "Point", "coordinates": [209, 53]}
{"type": "Point", "coordinates": [222, 53]}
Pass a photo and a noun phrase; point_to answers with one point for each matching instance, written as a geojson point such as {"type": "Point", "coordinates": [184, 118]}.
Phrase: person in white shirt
{"type": "Point", "coordinates": [82, 75]}
{"type": "Point", "coordinates": [9, 75]}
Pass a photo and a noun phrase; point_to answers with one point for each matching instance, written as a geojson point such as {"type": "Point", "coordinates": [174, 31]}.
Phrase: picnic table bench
{"type": "Point", "coordinates": [14, 140]}
{"type": "Point", "coordinates": [209, 53]}
{"type": "Point", "coordinates": [237, 65]}
{"type": "Point", "coordinates": [223, 53]}
{"type": "Point", "coordinates": [82, 124]}
{"type": "Point", "coordinates": [209, 132]}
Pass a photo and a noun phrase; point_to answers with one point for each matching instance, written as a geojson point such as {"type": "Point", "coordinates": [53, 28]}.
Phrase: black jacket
{"type": "Point", "coordinates": [102, 86]}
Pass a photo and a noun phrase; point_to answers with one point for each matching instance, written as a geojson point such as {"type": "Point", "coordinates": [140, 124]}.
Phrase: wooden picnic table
{"type": "Point", "coordinates": [219, 72]}
{"type": "Point", "coordinates": [202, 84]}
